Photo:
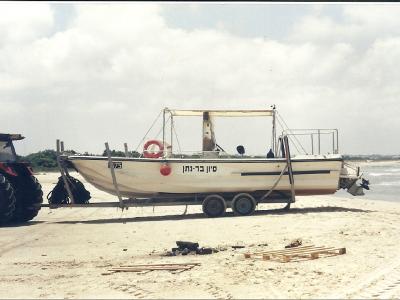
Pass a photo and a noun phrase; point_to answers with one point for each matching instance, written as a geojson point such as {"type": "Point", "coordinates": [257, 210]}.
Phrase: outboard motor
{"type": "Point", "coordinates": [356, 190]}
{"type": "Point", "coordinates": [365, 183]}
{"type": "Point", "coordinates": [349, 177]}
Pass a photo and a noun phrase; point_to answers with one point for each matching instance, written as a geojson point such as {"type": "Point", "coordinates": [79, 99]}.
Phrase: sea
{"type": "Point", "coordinates": [384, 181]}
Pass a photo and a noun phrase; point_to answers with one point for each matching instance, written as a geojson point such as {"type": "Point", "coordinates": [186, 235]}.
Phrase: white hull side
{"type": "Point", "coordinates": [141, 177]}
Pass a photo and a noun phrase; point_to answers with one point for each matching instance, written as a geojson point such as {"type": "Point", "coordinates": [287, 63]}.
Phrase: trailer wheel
{"type": "Point", "coordinates": [214, 206]}
{"type": "Point", "coordinates": [7, 200]}
{"type": "Point", "coordinates": [243, 204]}
{"type": "Point", "coordinates": [29, 197]}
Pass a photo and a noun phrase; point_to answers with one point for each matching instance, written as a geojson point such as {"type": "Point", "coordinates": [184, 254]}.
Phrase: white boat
{"type": "Point", "coordinates": [313, 175]}
{"type": "Point", "coordinates": [162, 172]}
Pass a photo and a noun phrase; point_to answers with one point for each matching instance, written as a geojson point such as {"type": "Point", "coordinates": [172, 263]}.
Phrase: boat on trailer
{"type": "Point", "coordinates": [216, 179]}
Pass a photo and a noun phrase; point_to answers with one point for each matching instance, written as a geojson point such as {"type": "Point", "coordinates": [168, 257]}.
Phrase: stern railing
{"type": "Point", "coordinates": [314, 136]}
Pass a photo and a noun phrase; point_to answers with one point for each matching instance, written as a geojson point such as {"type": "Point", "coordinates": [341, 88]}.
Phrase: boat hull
{"type": "Point", "coordinates": [141, 177]}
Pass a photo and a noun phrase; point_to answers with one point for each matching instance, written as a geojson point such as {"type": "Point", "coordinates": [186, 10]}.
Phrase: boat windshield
{"type": "Point", "coordinates": [7, 153]}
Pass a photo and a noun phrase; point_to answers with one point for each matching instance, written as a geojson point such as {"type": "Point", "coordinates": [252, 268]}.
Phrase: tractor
{"type": "Point", "coordinates": [21, 194]}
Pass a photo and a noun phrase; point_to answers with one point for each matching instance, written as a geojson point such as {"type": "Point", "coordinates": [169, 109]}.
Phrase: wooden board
{"type": "Point", "coordinates": [154, 267]}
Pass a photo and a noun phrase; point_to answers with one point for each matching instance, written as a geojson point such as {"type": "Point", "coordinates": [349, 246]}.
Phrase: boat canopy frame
{"type": "Point", "coordinates": [221, 113]}
{"type": "Point", "coordinates": [216, 113]}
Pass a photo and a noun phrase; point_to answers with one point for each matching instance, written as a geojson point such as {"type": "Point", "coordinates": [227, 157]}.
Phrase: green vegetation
{"type": "Point", "coordinates": [115, 153]}
{"type": "Point", "coordinates": [46, 160]}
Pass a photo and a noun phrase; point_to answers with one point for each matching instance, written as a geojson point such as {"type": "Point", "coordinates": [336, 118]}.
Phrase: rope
{"type": "Point", "coordinates": [151, 127]}
{"type": "Point", "coordinates": [294, 136]}
{"type": "Point", "coordinates": [275, 184]}
{"type": "Point", "coordinates": [161, 127]}
{"type": "Point", "coordinates": [176, 136]}
{"type": "Point", "coordinates": [285, 126]}
{"type": "Point", "coordinates": [293, 142]}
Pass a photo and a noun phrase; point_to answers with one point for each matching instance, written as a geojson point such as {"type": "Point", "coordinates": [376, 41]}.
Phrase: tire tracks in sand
{"type": "Point", "coordinates": [383, 283]}
{"type": "Point", "coordinates": [37, 231]}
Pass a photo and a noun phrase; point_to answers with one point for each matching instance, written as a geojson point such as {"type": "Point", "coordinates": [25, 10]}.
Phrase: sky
{"type": "Point", "coordinates": [87, 73]}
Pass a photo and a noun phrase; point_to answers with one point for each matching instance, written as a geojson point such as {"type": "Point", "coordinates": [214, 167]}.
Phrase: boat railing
{"type": "Point", "coordinates": [210, 154]}
{"type": "Point", "coordinates": [316, 140]}
{"type": "Point", "coordinates": [204, 154]}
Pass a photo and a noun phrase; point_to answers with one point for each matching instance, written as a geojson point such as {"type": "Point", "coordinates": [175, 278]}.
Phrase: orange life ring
{"type": "Point", "coordinates": [148, 154]}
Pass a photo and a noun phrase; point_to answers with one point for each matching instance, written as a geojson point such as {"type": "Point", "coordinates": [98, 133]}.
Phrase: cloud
{"type": "Point", "coordinates": [109, 72]}
{"type": "Point", "coordinates": [24, 23]}
{"type": "Point", "coordinates": [360, 25]}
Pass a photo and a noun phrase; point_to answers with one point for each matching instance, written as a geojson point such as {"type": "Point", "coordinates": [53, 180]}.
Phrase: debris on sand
{"type": "Point", "coordinates": [238, 247]}
{"type": "Point", "coordinates": [186, 248]}
{"type": "Point", "coordinates": [187, 245]}
{"type": "Point", "coordinates": [294, 243]}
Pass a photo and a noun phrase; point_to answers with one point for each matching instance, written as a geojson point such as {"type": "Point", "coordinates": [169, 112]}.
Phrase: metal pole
{"type": "Point", "coordinates": [312, 143]}
{"type": "Point", "coordinates": [126, 150]}
{"type": "Point", "coordinates": [58, 147]}
{"type": "Point", "coordinates": [63, 172]}
{"type": "Point", "coordinates": [337, 141]}
{"type": "Point", "coordinates": [290, 170]}
{"type": "Point", "coordinates": [114, 178]}
{"type": "Point", "coordinates": [62, 151]}
{"type": "Point", "coordinates": [172, 126]}
{"type": "Point", "coordinates": [274, 133]}
{"type": "Point", "coordinates": [163, 131]}
{"type": "Point", "coordinates": [319, 142]}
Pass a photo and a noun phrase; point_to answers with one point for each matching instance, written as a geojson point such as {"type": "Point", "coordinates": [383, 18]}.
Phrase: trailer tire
{"type": "Point", "coordinates": [214, 206]}
{"type": "Point", "coordinates": [7, 200]}
{"type": "Point", "coordinates": [29, 196]}
{"type": "Point", "coordinates": [243, 204]}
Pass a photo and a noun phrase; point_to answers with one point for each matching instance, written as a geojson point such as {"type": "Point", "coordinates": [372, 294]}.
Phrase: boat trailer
{"type": "Point", "coordinates": [271, 196]}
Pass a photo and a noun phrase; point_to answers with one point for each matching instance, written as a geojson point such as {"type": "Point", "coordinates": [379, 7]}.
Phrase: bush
{"type": "Point", "coordinates": [42, 160]}
{"type": "Point", "coordinates": [46, 160]}
{"type": "Point", "coordinates": [115, 153]}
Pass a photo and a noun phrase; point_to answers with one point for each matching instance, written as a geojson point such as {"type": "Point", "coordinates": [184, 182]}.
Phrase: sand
{"type": "Point", "coordinates": [63, 253]}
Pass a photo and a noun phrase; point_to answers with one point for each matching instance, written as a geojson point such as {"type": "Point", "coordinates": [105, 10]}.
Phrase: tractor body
{"type": "Point", "coordinates": [21, 194]}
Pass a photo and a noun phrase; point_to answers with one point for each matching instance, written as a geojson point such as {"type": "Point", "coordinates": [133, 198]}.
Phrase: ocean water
{"type": "Point", "coordinates": [384, 179]}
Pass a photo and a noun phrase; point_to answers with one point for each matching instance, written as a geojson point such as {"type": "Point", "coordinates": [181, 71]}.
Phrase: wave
{"type": "Point", "coordinates": [378, 174]}
{"type": "Point", "coordinates": [386, 169]}
{"type": "Point", "coordinates": [389, 183]}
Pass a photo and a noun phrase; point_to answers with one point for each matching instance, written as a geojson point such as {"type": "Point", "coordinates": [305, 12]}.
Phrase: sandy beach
{"type": "Point", "coordinates": [64, 253]}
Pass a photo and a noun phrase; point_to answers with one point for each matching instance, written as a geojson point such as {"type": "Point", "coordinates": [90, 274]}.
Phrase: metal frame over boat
{"type": "Point", "coordinates": [212, 177]}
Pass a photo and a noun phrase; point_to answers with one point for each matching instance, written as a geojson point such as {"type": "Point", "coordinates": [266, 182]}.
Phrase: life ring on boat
{"type": "Point", "coordinates": [151, 154]}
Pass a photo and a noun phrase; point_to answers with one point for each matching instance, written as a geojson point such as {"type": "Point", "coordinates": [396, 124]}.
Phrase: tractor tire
{"type": "Point", "coordinates": [7, 200]}
{"type": "Point", "coordinates": [29, 196]}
